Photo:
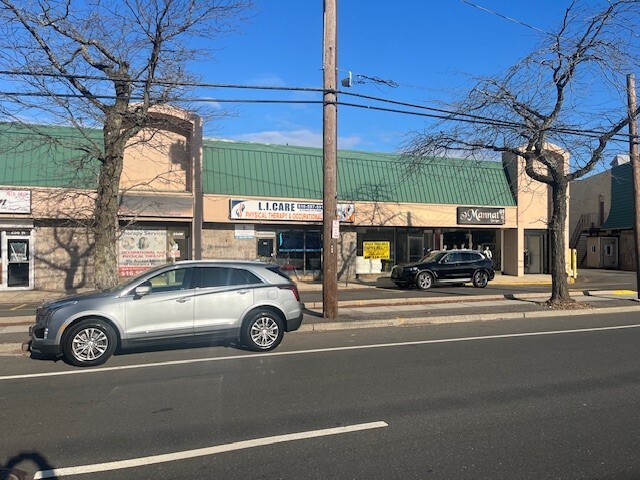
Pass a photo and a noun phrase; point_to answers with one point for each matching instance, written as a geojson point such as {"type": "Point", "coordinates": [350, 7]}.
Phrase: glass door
{"type": "Point", "coordinates": [416, 248]}
{"type": "Point", "coordinates": [17, 265]}
{"type": "Point", "coordinates": [533, 253]}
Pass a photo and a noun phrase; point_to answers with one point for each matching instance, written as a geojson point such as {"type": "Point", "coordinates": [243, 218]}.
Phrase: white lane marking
{"type": "Point", "coordinates": [18, 307]}
{"type": "Point", "coordinates": [201, 452]}
{"type": "Point", "coordinates": [315, 350]}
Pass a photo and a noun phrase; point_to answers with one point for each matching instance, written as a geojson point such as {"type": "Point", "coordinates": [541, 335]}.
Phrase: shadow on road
{"type": "Point", "coordinates": [10, 470]}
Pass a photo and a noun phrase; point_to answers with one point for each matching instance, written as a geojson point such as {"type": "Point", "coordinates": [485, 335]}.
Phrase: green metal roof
{"type": "Point", "coordinates": [50, 156]}
{"type": "Point", "coordinates": [47, 156]}
{"type": "Point", "coordinates": [249, 169]}
{"type": "Point", "coordinates": [622, 204]}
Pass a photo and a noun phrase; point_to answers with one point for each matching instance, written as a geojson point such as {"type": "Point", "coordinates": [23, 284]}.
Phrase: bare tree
{"type": "Point", "coordinates": [567, 96]}
{"type": "Point", "coordinates": [104, 64]}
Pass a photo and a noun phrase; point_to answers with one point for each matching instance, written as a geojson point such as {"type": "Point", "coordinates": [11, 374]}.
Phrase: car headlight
{"type": "Point", "coordinates": [413, 269]}
{"type": "Point", "coordinates": [49, 310]}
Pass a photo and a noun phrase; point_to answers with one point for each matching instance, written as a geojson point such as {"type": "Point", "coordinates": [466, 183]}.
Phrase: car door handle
{"type": "Point", "coordinates": [183, 299]}
{"type": "Point", "coordinates": [243, 291]}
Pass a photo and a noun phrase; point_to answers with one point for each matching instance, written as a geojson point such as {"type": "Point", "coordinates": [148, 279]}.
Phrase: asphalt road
{"type": "Point", "coordinates": [557, 398]}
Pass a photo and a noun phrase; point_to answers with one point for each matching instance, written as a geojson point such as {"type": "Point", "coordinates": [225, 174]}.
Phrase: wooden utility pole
{"type": "Point", "coordinates": [635, 169]}
{"type": "Point", "coordinates": [330, 163]}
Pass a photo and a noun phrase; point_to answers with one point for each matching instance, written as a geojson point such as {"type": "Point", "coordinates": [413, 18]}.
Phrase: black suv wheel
{"type": "Point", "coordinates": [480, 279]}
{"type": "Point", "coordinates": [424, 280]}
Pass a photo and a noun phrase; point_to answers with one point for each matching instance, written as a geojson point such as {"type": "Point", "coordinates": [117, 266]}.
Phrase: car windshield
{"type": "Point", "coordinates": [434, 256]}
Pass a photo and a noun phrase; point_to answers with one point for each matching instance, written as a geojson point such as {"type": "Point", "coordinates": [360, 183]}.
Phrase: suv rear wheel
{"type": "Point", "coordinates": [263, 331]}
{"type": "Point", "coordinates": [480, 279]}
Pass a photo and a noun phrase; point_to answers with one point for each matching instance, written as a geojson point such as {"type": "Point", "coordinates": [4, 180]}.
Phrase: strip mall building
{"type": "Point", "coordinates": [184, 197]}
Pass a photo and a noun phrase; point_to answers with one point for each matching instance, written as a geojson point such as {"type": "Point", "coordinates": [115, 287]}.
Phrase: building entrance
{"type": "Point", "coordinates": [534, 252]}
{"type": "Point", "coordinates": [17, 263]}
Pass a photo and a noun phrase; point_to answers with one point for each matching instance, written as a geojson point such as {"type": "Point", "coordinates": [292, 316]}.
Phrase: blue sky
{"type": "Point", "coordinates": [430, 48]}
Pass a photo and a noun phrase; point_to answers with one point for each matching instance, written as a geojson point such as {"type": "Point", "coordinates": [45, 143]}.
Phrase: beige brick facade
{"type": "Point", "coordinates": [219, 242]}
{"type": "Point", "coordinates": [64, 258]}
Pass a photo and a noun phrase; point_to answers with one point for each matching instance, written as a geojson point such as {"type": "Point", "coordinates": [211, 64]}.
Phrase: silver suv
{"type": "Point", "coordinates": [184, 301]}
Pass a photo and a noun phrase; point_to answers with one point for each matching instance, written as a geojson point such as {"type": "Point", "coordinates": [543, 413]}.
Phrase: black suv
{"type": "Point", "coordinates": [445, 266]}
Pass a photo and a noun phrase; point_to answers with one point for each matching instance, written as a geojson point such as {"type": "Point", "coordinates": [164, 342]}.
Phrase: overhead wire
{"type": "Point", "coordinates": [441, 114]}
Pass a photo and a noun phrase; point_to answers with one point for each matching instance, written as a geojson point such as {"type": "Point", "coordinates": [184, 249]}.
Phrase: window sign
{"type": "Point", "coordinates": [376, 250]}
{"type": "Point", "coordinates": [141, 249]}
{"type": "Point", "coordinates": [18, 250]}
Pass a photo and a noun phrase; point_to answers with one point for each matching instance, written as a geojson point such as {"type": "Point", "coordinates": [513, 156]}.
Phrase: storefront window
{"type": "Point", "coordinates": [299, 249]}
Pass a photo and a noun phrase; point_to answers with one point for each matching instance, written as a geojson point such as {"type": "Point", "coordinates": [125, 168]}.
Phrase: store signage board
{"type": "Point", "coordinates": [376, 250]}
{"type": "Point", "coordinates": [15, 201]}
{"type": "Point", "coordinates": [480, 216]}
{"type": "Point", "coordinates": [140, 249]}
{"type": "Point", "coordinates": [289, 211]}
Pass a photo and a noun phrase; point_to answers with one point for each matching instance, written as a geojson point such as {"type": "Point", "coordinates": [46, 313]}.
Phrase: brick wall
{"type": "Point", "coordinates": [219, 242]}
{"type": "Point", "coordinates": [63, 258]}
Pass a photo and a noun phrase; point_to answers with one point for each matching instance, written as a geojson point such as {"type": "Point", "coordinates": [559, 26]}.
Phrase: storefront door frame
{"type": "Point", "coordinates": [15, 258]}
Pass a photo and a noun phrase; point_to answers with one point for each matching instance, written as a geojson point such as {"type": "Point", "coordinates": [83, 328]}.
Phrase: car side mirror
{"type": "Point", "coordinates": [142, 290]}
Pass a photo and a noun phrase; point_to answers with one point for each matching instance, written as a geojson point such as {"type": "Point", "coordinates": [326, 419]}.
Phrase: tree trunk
{"type": "Point", "coordinates": [557, 227]}
{"type": "Point", "coordinates": [106, 215]}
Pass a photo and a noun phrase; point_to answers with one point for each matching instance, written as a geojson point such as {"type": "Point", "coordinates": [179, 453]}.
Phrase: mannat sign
{"type": "Point", "coordinates": [480, 216]}
{"type": "Point", "coordinates": [273, 209]}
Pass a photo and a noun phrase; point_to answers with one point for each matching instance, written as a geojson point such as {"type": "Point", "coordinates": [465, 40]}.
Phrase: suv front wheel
{"type": "Point", "coordinates": [424, 280]}
{"type": "Point", "coordinates": [480, 279]}
{"type": "Point", "coordinates": [89, 343]}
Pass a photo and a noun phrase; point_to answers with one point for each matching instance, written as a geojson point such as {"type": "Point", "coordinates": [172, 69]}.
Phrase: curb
{"type": "Point", "coordinates": [13, 349]}
{"type": "Point", "coordinates": [423, 301]}
{"type": "Point", "coordinates": [409, 322]}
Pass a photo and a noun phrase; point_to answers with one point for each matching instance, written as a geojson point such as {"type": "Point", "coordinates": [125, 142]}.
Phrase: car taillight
{"type": "Point", "coordinates": [293, 288]}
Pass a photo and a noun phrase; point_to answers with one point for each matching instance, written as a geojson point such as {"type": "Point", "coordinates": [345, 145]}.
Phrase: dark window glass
{"type": "Point", "coordinates": [223, 276]}
{"type": "Point", "coordinates": [471, 257]}
{"type": "Point", "coordinates": [451, 258]}
{"type": "Point", "coordinates": [291, 242]}
{"type": "Point", "coordinates": [237, 276]}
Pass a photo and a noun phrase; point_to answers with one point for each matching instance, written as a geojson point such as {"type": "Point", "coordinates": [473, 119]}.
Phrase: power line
{"type": "Point", "coordinates": [514, 20]}
{"type": "Point", "coordinates": [441, 114]}
{"type": "Point", "coordinates": [169, 83]}
{"type": "Point", "coordinates": [452, 115]}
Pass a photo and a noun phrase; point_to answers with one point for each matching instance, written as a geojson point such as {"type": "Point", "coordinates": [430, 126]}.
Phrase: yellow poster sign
{"type": "Point", "coordinates": [376, 250]}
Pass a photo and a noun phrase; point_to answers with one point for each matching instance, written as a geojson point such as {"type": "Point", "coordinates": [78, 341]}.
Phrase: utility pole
{"type": "Point", "coordinates": [330, 225]}
{"type": "Point", "coordinates": [635, 169]}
